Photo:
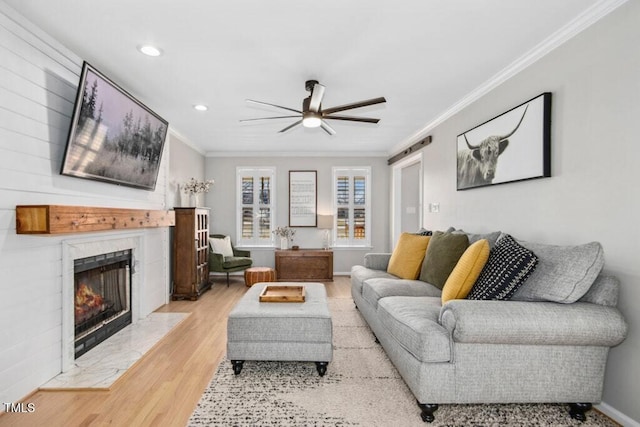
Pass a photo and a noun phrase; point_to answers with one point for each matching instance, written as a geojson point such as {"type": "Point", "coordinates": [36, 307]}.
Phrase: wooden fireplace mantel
{"type": "Point", "coordinates": [58, 219]}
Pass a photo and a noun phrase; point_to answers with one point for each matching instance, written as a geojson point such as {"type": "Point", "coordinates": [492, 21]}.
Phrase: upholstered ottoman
{"type": "Point", "coordinates": [282, 331]}
{"type": "Point", "coordinates": [253, 275]}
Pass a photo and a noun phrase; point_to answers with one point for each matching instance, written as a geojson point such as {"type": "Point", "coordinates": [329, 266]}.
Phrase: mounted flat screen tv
{"type": "Point", "coordinates": [113, 137]}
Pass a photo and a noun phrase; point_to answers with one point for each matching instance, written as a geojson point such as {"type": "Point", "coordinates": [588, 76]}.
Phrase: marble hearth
{"type": "Point", "coordinates": [103, 365]}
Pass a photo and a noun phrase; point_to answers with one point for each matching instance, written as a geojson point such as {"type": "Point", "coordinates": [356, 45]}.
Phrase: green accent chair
{"type": "Point", "coordinates": [241, 259]}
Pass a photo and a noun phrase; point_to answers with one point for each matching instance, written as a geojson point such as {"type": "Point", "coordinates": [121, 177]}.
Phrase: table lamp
{"type": "Point", "coordinates": [325, 222]}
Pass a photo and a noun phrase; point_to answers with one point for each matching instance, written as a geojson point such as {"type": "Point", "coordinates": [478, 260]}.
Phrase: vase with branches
{"type": "Point", "coordinates": [285, 234]}
{"type": "Point", "coordinates": [194, 188]}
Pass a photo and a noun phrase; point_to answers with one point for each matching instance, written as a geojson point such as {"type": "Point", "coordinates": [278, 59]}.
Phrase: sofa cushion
{"type": "Point", "coordinates": [360, 274]}
{"type": "Point", "coordinates": [221, 246]}
{"type": "Point", "coordinates": [374, 289]}
{"type": "Point", "coordinates": [413, 323]}
{"type": "Point", "coordinates": [236, 262]}
{"type": "Point", "coordinates": [377, 261]}
{"type": "Point", "coordinates": [564, 273]}
{"type": "Point", "coordinates": [508, 266]}
{"type": "Point", "coordinates": [603, 291]}
{"type": "Point", "coordinates": [466, 271]}
{"type": "Point", "coordinates": [443, 253]}
{"type": "Point", "coordinates": [407, 256]}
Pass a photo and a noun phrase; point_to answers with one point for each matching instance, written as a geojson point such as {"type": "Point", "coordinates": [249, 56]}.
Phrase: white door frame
{"type": "Point", "coordinates": [396, 194]}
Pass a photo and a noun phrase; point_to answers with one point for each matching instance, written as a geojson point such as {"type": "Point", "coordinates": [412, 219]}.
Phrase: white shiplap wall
{"type": "Point", "coordinates": [38, 81]}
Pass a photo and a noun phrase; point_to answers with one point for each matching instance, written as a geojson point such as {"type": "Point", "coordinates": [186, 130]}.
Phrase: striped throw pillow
{"type": "Point", "coordinates": [508, 267]}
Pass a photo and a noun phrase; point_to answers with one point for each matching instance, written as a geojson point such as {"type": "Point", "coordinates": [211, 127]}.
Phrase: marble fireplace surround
{"type": "Point", "coordinates": [73, 249]}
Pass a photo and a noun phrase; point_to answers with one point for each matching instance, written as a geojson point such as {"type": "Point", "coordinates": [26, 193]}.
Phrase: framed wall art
{"type": "Point", "coordinates": [514, 146]}
{"type": "Point", "coordinates": [303, 198]}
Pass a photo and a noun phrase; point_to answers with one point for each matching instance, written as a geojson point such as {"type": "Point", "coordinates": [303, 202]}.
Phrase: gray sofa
{"type": "Point", "coordinates": [538, 347]}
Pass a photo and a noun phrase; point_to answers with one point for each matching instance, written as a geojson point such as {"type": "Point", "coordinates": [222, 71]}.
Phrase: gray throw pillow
{"type": "Point", "coordinates": [492, 237]}
{"type": "Point", "coordinates": [443, 252]}
{"type": "Point", "coordinates": [564, 273]}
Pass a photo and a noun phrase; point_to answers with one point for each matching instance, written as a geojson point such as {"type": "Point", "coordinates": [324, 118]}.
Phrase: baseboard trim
{"type": "Point", "coordinates": [235, 273]}
{"type": "Point", "coordinates": [616, 415]}
{"type": "Point", "coordinates": [335, 273]}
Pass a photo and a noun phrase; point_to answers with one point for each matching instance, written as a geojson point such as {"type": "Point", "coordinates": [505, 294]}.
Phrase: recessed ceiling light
{"type": "Point", "coordinates": [149, 50]}
{"type": "Point", "coordinates": [201, 107]}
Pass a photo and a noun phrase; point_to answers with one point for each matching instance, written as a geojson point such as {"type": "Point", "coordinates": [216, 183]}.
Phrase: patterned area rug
{"type": "Point", "coordinates": [361, 388]}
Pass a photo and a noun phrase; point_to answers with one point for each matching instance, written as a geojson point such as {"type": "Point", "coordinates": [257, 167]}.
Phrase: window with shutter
{"type": "Point", "coordinates": [351, 199]}
{"type": "Point", "coordinates": [255, 208]}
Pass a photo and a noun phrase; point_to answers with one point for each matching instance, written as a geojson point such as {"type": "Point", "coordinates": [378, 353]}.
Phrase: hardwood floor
{"type": "Point", "coordinates": [163, 388]}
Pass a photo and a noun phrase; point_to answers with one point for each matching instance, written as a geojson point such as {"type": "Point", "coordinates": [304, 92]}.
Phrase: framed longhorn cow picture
{"type": "Point", "coordinates": [514, 146]}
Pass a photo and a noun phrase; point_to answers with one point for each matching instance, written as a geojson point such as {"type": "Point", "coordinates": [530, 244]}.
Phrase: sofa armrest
{"type": "Point", "coordinates": [519, 322]}
{"type": "Point", "coordinates": [215, 261]}
{"type": "Point", "coordinates": [377, 261]}
{"type": "Point", "coordinates": [241, 253]}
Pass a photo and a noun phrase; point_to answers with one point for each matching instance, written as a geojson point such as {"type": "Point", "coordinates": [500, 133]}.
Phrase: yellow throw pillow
{"type": "Point", "coordinates": [466, 271]}
{"type": "Point", "coordinates": [407, 256]}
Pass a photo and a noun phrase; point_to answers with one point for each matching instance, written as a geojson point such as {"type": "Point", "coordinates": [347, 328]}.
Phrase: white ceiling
{"type": "Point", "coordinates": [424, 56]}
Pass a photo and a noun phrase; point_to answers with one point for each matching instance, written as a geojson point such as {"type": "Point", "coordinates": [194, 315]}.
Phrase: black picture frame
{"type": "Point", "coordinates": [303, 198]}
{"type": "Point", "coordinates": [514, 146]}
{"type": "Point", "coordinates": [113, 137]}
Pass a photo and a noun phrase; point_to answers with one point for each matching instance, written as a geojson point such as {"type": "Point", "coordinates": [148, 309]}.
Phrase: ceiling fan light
{"type": "Point", "coordinates": [311, 120]}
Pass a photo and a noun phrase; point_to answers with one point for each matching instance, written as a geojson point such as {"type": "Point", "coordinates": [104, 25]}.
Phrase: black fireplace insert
{"type": "Point", "coordinates": [102, 298]}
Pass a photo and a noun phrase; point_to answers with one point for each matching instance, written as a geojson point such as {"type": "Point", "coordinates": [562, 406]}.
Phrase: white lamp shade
{"type": "Point", "coordinates": [325, 222]}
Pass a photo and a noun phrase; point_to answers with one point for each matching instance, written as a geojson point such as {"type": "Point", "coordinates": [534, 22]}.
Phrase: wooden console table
{"type": "Point", "coordinates": [304, 265]}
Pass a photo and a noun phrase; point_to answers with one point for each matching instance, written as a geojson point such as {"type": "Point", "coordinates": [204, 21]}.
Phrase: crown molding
{"type": "Point", "coordinates": [583, 21]}
{"type": "Point", "coordinates": [186, 141]}
{"type": "Point", "coordinates": [296, 154]}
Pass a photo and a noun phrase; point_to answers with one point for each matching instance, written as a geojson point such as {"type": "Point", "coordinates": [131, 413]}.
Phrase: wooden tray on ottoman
{"type": "Point", "coordinates": [282, 293]}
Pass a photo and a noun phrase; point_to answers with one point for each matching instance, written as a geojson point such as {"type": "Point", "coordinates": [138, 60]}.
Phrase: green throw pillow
{"type": "Point", "coordinates": [443, 253]}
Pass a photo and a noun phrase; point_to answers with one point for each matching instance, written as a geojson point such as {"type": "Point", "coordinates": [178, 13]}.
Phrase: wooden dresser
{"type": "Point", "coordinates": [304, 265]}
{"type": "Point", "coordinates": [191, 253]}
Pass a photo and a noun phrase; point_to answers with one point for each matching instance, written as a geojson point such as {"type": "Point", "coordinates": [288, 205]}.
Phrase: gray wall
{"type": "Point", "coordinates": [185, 162]}
{"type": "Point", "coordinates": [593, 194]}
{"type": "Point", "coordinates": [222, 201]}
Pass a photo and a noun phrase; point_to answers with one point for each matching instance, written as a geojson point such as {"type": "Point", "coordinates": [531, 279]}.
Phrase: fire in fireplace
{"type": "Point", "coordinates": [102, 298]}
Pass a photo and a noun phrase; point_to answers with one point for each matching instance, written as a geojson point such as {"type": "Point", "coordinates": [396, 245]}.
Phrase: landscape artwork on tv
{"type": "Point", "coordinates": [113, 137]}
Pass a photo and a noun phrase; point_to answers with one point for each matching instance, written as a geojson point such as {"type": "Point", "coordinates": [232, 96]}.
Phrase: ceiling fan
{"type": "Point", "coordinates": [313, 115]}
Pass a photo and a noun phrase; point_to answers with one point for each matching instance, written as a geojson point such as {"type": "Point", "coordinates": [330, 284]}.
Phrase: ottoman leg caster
{"type": "Point", "coordinates": [237, 366]}
{"type": "Point", "coordinates": [322, 368]}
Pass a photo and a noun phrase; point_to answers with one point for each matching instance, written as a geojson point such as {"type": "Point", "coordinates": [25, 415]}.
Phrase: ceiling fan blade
{"type": "Point", "coordinates": [316, 97]}
{"type": "Point", "coordinates": [354, 105]}
{"type": "Point", "coordinates": [290, 126]}
{"type": "Point", "coordinates": [268, 118]}
{"type": "Point", "coordinates": [327, 128]}
{"type": "Point", "coordinates": [352, 119]}
{"type": "Point", "coordinates": [273, 105]}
